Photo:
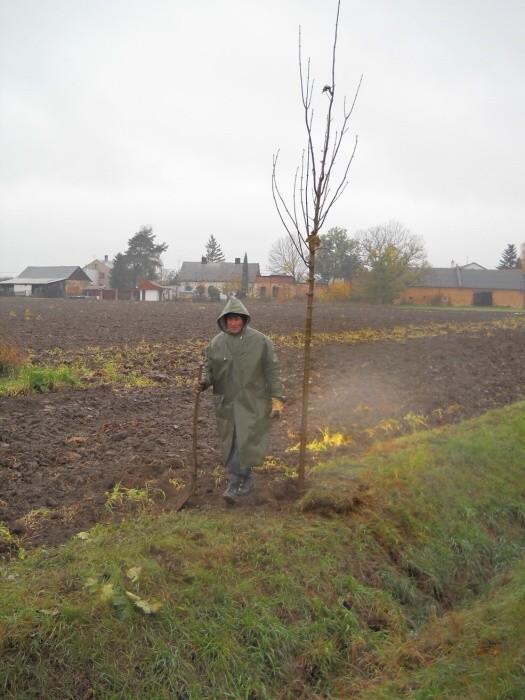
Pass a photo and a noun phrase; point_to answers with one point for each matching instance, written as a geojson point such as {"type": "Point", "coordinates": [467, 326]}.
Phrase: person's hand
{"type": "Point", "coordinates": [198, 386]}
{"type": "Point", "coordinates": [277, 408]}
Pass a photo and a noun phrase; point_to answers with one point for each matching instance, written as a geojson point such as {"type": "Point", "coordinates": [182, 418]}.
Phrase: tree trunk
{"type": "Point", "coordinates": [306, 368]}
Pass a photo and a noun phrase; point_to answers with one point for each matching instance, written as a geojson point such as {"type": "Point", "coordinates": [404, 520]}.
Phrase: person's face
{"type": "Point", "coordinates": [234, 323]}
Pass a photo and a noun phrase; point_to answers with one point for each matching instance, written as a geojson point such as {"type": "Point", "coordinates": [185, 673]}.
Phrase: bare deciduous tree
{"type": "Point", "coordinates": [317, 186]}
{"type": "Point", "coordinates": [284, 259]}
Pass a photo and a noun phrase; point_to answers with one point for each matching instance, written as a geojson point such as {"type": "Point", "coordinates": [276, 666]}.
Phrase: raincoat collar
{"type": "Point", "coordinates": [234, 306]}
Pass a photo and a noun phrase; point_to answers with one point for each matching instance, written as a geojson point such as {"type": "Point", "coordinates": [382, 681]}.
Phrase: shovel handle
{"type": "Point", "coordinates": [195, 422]}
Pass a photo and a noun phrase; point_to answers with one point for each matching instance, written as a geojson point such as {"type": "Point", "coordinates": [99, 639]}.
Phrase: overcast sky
{"type": "Point", "coordinates": [121, 113]}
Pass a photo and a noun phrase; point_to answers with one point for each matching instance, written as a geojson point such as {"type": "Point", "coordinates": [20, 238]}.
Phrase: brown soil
{"type": "Point", "coordinates": [60, 453]}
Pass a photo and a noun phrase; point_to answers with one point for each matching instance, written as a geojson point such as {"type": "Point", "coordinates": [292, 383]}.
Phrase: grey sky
{"type": "Point", "coordinates": [122, 113]}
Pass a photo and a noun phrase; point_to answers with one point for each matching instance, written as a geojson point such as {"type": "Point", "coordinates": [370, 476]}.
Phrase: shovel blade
{"type": "Point", "coordinates": [185, 496]}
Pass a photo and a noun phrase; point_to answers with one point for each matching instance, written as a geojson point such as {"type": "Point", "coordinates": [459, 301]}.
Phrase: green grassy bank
{"type": "Point", "coordinates": [400, 575]}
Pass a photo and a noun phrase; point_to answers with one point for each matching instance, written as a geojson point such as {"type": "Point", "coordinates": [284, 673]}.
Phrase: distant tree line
{"type": "Point", "coordinates": [142, 260]}
{"type": "Point", "coordinates": [380, 261]}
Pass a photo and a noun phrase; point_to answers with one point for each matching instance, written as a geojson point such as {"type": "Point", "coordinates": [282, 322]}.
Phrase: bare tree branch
{"type": "Point", "coordinates": [284, 212]}
{"type": "Point", "coordinates": [315, 197]}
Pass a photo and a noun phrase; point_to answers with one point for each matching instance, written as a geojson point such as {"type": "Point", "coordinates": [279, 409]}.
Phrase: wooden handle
{"type": "Point", "coordinates": [196, 422]}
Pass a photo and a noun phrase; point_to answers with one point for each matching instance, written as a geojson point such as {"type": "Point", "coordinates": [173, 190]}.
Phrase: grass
{"type": "Point", "coordinates": [18, 376]}
{"type": "Point", "coordinates": [475, 652]}
{"type": "Point", "coordinates": [444, 307]}
{"type": "Point", "coordinates": [120, 494]}
{"type": "Point", "coordinates": [31, 379]}
{"type": "Point", "coordinates": [399, 575]}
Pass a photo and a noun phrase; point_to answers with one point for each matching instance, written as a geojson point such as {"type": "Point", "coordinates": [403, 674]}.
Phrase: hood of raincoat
{"type": "Point", "coordinates": [234, 306]}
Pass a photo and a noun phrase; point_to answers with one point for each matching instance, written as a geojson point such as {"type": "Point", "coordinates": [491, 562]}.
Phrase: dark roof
{"type": "Point", "coordinates": [216, 271]}
{"type": "Point", "coordinates": [48, 275]}
{"type": "Point", "coordinates": [461, 278]}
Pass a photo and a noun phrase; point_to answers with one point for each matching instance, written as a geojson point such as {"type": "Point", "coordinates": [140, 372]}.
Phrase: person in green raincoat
{"type": "Point", "coordinates": [242, 367]}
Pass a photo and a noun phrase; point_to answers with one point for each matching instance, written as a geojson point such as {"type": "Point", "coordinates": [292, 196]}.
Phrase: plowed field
{"type": "Point", "coordinates": [123, 442]}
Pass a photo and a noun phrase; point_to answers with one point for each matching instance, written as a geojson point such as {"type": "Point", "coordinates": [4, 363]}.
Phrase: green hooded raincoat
{"type": "Point", "coordinates": [244, 372]}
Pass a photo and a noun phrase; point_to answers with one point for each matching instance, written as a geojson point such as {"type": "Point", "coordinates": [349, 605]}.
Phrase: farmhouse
{"type": "Point", "coordinates": [99, 271]}
{"type": "Point", "coordinates": [471, 285]}
{"type": "Point", "coordinates": [226, 276]}
{"type": "Point", "coordinates": [61, 281]}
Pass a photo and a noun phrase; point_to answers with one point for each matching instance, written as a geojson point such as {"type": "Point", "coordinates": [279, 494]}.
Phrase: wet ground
{"type": "Point", "coordinates": [73, 458]}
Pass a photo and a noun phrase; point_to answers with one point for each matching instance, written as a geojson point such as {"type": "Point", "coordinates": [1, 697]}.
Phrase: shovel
{"type": "Point", "coordinates": [188, 491]}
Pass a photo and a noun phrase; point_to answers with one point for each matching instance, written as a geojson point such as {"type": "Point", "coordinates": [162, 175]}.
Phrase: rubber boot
{"type": "Point", "coordinates": [232, 488]}
{"type": "Point", "coordinates": [246, 484]}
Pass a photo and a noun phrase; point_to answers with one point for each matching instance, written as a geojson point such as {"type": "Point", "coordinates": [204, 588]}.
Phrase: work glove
{"type": "Point", "coordinates": [277, 408]}
{"type": "Point", "coordinates": [198, 386]}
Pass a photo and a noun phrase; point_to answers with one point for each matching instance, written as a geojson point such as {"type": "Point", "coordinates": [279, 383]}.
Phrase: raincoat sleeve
{"type": "Point", "coordinates": [272, 372]}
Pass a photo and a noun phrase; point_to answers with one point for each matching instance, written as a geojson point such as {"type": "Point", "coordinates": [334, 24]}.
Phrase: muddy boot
{"type": "Point", "coordinates": [232, 489]}
{"type": "Point", "coordinates": [246, 484]}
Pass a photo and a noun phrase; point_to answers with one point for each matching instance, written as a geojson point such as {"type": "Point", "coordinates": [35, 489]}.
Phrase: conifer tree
{"type": "Point", "coordinates": [245, 280]}
{"type": "Point", "coordinates": [120, 276]}
{"type": "Point", "coordinates": [509, 259]}
{"type": "Point", "coordinates": [213, 250]}
{"type": "Point", "coordinates": [143, 255]}
{"type": "Point", "coordinates": [140, 261]}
